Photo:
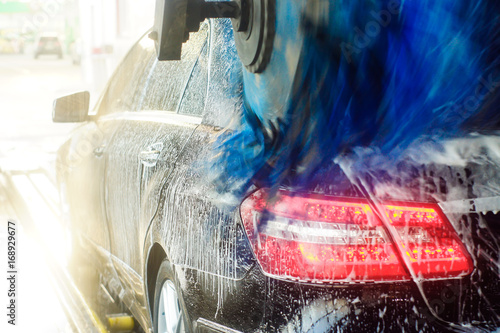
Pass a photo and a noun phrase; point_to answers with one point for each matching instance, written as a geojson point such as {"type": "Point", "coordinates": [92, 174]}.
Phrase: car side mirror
{"type": "Point", "coordinates": [72, 108]}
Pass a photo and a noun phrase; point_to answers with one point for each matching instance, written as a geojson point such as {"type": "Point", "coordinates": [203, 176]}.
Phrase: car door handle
{"type": "Point", "coordinates": [149, 157]}
{"type": "Point", "coordinates": [99, 151]}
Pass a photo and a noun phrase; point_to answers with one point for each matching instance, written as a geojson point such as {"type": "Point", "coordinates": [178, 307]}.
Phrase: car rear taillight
{"type": "Point", "coordinates": [326, 239]}
{"type": "Point", "coordinates": [428, 241]}
{"type": "Point", "coordinates": [319, 239]}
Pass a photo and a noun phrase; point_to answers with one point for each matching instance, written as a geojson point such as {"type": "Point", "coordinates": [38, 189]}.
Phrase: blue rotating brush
{"type": "Point", "coordinates": [368, 73]}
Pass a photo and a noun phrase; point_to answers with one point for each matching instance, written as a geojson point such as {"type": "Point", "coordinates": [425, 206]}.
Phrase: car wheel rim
{"type": "Point", "coordinates": [169, 310]}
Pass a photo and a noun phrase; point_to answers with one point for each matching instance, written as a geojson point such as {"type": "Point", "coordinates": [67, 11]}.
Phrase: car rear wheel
{"type": "Point", "coordinates": [169, 314]}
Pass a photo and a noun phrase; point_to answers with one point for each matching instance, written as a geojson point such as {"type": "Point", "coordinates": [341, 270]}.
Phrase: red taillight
{"type": "Point", "coordinates": [428, 241]}
{"type": "Point", "coordinates": [326, 239]}
{"type": "Point", "coordinates": [319, 239]}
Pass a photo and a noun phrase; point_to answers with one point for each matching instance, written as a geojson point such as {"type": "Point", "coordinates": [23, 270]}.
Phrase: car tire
{"type": "Point", "coordinates": [169, 310]}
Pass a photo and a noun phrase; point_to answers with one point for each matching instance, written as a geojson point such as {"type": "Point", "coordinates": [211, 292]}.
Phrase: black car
{"type": "Point", "coordinates": [144, 212]}
{"type": "Point", "coordinates": [48, 44]}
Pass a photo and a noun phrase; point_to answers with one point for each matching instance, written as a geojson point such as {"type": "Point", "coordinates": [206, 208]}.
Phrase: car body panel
{"type": "Point", "coordinates": [80, 167]}
{"type": "Point", "coordinates": [133, 162]}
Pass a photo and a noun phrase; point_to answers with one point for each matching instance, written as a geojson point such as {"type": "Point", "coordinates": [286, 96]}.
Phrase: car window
{"type": "Point", "coordinates": [193, 101]}
{"type": "Point", "coordinates": [144, 83]}
{"type": "Point", "coordinates": [167, 80]}
{"type": "Point", "coordinates": [224, 98]}
{"type": "Point", "coordinates": [126, 80]}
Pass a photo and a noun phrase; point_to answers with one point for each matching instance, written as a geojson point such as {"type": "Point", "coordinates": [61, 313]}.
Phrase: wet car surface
{"type": "Point", "coordinates": [142, 204]}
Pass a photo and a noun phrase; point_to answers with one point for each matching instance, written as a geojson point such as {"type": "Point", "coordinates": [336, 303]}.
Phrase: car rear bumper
{"type": "Point", "coordinates": [262, 304]}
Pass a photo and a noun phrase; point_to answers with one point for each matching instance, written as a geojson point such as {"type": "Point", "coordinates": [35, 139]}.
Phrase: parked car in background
{"type": "Point", "coordinates": [141, 207]}
{"type": "Point", "coordinates": [48, 44]}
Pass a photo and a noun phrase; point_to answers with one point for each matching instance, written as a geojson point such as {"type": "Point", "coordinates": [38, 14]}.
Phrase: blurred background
{"type": "Point", "coordinates": [48, 49]}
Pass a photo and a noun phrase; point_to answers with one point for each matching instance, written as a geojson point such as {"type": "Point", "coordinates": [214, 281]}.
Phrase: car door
{"type": "Point", "coordinates": [80, 172]}
{"type": "Point", "coordinates": [83, 163]}
{"type": "Point", "coordinates": [83, 167]}
{"type": "Point", "coordinates": [141, 155]}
